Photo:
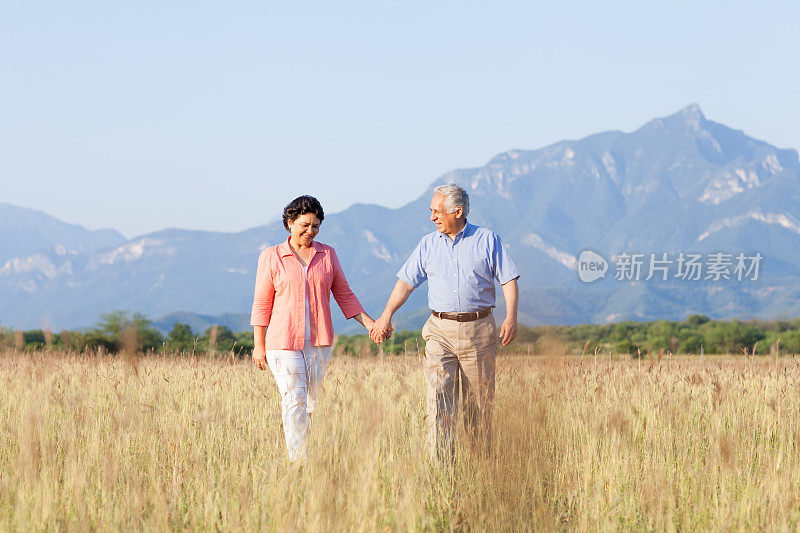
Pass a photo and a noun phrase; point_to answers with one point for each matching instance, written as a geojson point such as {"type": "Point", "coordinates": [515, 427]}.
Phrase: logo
{"type": "Point", "coordinates": [689, 266]}
{"type": "Point", "coordinates": [591, 266]}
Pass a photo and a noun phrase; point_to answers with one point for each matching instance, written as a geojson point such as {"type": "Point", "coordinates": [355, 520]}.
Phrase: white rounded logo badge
{"type": "Point", "coordinates": [591, 266]}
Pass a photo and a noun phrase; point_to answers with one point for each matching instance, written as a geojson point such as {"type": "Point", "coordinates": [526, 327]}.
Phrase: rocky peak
{"type": "Point", "coordinates": [692, 115]}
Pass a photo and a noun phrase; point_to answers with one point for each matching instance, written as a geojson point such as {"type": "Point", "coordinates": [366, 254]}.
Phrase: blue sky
{"type": "Point", "coordinates": [212, 115]}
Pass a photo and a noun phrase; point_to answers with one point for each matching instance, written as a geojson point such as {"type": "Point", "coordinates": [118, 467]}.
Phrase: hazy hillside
{"type": "Point", "coordinates": [677, 184]}
{"type": "Point", "coordinates": [25, 231]}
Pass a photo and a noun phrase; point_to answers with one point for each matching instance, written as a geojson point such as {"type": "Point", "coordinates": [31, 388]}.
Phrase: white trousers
{"type": "Point", "coordinates": [299, 376]}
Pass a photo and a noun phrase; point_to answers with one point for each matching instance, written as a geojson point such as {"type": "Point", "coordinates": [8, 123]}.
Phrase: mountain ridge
{"type": "Point", "coordinates": [25, 231]}
{"type": "Point", "coordinates": [680, 182]}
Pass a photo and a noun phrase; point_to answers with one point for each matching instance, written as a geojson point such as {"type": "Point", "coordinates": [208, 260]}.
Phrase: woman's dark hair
{"type": "Point", "coordinates": [300, 206]}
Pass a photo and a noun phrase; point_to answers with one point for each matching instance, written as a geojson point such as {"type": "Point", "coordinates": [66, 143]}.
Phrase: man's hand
{"type": "Point", "coordinates": [508, 331]}
{"type": "Point", "coordinates": [260, 359]}
{"type": "Point", "coordinates": [381, 330]}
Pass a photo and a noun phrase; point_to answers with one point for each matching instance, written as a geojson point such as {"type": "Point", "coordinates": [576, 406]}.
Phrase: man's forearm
{"type": "Point", "coordinates": [511, 295]}
{"type": "Point", "coordinates": [400, 294]}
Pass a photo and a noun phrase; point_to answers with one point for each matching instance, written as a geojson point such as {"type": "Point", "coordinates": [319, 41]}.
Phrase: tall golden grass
{"type": "Point", "coordinates": [160, 443]}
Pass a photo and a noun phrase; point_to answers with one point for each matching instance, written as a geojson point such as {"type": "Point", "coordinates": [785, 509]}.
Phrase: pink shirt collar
{"type": "Point", "coordinates": [285, 250]}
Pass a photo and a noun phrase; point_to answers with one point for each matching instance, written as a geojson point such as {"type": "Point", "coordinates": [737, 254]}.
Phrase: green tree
{"type": "Point", "coordinates": [34, 339]}
{"type": "Point", "coordinates": [225, 338]}
{"type": "Point", "coordinates": [790, 341]}
{"type": "Point", "coordinates": [180, 338]}
{"type": "Point", "coordinates": [119, 330]}
{"type": "Point", "coordinates": [730, 337]}
{"type": "Point", "coordinates": [244, 340]}
{"type": "Point", "coordinates": [697, 320]}
{"type": "Point", "coordinates": [690, 343]}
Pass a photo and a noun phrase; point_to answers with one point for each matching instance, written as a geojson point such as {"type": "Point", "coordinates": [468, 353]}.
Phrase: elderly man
{"type": "Point", "coordinates": [461, 262]}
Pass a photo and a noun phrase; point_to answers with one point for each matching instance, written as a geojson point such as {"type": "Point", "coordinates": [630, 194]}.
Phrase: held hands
{"type": "Point", "coordinates": [508, 331]}
{"type": "Point", "coordinates": [381, 330]}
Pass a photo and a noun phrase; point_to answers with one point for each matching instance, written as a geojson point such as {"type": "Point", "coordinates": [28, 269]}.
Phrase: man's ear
{"type": "Point", "coordinates": [459, 212]}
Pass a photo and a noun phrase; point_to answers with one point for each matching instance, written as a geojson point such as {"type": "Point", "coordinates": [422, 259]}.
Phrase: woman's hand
{"type": "Point", "coordinates": [381, 329]}
{"type": "Point", "coordinates": [259, 348]}
{"type": "Point", "coordinates": [260, 359]}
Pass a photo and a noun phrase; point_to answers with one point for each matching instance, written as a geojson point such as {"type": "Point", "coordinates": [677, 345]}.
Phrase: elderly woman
{"type": "Point", "coordinates": [294, 282]}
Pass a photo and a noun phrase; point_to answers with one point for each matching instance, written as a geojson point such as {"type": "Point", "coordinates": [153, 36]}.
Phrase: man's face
{"type": "Point", "coordinates": [449, 223]}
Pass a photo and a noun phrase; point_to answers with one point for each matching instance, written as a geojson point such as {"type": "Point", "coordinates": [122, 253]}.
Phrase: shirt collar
{"type": "Point", "coordinates": [285, 250]}
{"type": "Point", "coordinates": [466, 231]}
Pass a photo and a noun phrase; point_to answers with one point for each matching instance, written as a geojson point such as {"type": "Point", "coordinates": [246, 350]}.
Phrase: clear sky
{"type": "Point", "coordinates": [212, 115]}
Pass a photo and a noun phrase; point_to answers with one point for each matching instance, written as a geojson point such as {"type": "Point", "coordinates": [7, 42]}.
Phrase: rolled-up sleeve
{"type": "Point", "coordinates": [264, 294]}
{"type": "Point", "coordinates": [413, 270]}
{"type": "Point", "coordinates": [340, 289]}
{"type": "Point", "coordinates": [504, 268]}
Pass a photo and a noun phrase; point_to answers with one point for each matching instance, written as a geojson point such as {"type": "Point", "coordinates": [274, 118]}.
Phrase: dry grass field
{"type": "Point", "coordinates": [155, 443]}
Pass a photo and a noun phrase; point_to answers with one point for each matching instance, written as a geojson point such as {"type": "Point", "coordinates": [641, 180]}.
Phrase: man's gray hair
{"type": "Point", "coordinates": [454, 196]}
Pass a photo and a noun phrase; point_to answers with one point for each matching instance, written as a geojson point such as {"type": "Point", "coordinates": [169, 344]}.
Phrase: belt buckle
{"type": "Point", "coordinates": [462, 317]}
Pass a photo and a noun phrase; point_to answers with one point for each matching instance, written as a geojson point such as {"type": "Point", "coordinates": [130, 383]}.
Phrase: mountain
{"type": "Point", "coordinates": [25, 231]}
{"type": "Point", "coordinates": [681, 183]}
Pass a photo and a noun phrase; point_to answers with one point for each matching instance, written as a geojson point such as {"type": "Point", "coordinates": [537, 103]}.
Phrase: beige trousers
{"type": "Point", "coordinates": [459, 355]}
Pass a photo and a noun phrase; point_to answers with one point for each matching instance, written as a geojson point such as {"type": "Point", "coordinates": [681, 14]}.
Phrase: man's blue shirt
{"type": "Point", "coordinates": [461, 272]}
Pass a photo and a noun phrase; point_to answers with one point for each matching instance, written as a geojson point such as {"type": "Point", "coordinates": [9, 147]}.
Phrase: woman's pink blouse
{"type": "Point", "coordinates": [278, 302]}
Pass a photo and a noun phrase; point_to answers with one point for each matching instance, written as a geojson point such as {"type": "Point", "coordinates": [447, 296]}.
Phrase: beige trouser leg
{"type": "Point", "coordinates": [459, 355]}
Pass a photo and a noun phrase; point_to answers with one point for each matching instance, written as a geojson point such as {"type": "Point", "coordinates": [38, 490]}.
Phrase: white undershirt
{"type": "Point", "coordinates": [308, 314]}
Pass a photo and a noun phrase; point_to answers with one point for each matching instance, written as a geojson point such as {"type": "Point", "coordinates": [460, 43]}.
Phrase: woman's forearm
{"type": "Point", "coordinates": [258, 339]}
{"type": "Point", "coordinates": [365, 320]}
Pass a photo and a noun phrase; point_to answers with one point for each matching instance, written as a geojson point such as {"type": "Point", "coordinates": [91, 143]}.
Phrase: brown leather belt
{"type": "Point", "coordinates": [463, 317]}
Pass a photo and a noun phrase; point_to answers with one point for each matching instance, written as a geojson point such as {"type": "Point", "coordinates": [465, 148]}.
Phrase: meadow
{"type": "Point", "coordinates": [161, 442]}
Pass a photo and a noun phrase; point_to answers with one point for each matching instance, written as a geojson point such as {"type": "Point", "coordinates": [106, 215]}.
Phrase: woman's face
{"type": "Point", "coordinates": [304, 228]}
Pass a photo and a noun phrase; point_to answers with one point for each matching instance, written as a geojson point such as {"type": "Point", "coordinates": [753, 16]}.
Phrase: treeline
{"type": "Point", "coordinates": [120, 331]}
{"type": "Point", "coordinates": [695, 335]}
{"type": "Point", "coordinates": [400, 343]}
